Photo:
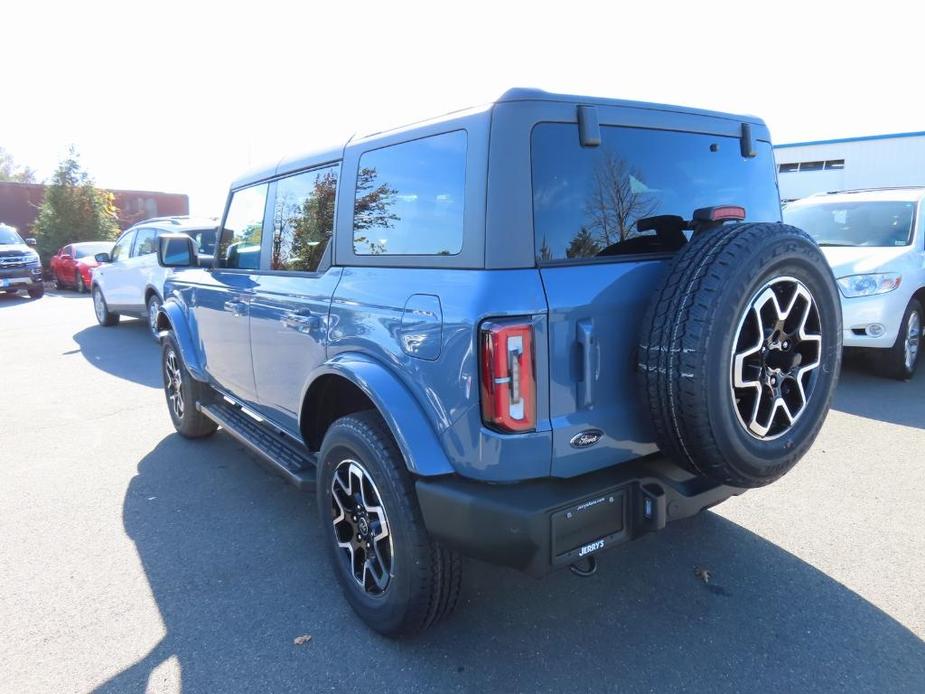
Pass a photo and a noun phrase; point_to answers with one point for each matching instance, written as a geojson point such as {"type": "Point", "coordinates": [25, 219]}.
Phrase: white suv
{"type": "Point", "coordinates": [129, 280]}
{"type": "Point", "coordinates": [875, 242]}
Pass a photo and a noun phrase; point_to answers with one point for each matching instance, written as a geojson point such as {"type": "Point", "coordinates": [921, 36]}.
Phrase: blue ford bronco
{"type": "Point", "coordinates": [525, 332]}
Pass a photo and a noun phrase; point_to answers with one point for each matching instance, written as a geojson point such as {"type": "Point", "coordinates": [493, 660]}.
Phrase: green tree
{"type": "Point", "coordinates": [583, 245]}
{"type": "Point", "coordinates": [372, 209]}
{"type": "Point", "coordinates": [73, 209]}
{"type": "Point", "coordinates": [10, 171]}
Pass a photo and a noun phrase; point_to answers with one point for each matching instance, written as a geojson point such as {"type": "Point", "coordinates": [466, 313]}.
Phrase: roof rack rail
{"type": "Point", "coordinates": [872, 190]}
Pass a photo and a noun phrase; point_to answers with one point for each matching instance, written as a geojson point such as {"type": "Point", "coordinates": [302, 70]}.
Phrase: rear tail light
{"type": "Point", "coordinates": [508, 380]}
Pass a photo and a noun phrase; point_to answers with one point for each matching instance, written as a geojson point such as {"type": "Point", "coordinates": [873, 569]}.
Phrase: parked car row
{"type": "Point", "coordinates": [524, 332]}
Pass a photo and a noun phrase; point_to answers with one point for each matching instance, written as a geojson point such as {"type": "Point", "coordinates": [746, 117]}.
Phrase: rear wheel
{"type": "Point", "coordinates": [183, 392]}
{"type": "Point", "coordinates": [154, 305]}
{"type": "Point", "coordinates": [103, 315]}
{"type": "Point", "coordinates": [395, 576]}
{"type": "Point", "coordinates": [79, 283]}
{"type": "Point", "coordinates": [901, 360]}
{"type": "Point", "coordinates": [740, 352]}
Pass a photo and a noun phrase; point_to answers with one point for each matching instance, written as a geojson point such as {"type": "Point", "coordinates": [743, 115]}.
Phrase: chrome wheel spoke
{"type": "Point", "coordinates": [361, 528]}
{"type": "Point", "coordinates": [777, 348]}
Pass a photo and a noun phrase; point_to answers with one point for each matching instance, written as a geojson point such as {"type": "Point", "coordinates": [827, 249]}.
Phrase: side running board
{"type": "Point", "coordinates": [288, 459]}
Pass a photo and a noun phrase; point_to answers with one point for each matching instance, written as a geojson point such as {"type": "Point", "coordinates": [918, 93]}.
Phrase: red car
{"type": "Point", "coordinates": [70, 266]}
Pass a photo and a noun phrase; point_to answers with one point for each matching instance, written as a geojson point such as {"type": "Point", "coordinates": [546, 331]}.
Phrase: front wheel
{"type": "Point", "coordinates": [38, 292]}
{"type": "Point", "coordinates": [901, 360]}
{"type": "Point", "coordinates": [183, 392]}
{"type": "Point", "coordinates": [103, 315]}
{"type": "Point", "coordinates": [395, 576]}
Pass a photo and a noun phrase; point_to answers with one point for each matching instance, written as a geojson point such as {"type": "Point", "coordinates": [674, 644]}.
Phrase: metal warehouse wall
{"type": "Point", "coordinates": [889, 160]}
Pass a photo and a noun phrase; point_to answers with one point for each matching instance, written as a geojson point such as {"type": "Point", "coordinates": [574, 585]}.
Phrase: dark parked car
{"type": "Point", "coordinates": [20, 266]}
{"type": "Point", "coordinates": [526, 333]}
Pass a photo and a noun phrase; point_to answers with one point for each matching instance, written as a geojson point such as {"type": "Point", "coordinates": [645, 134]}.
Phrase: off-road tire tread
{"type": "Point", "coordinates": [678, 324]}
{"type": "Point", "coordinates": [194, 425]}
{"type": "Point", "coordinates": [438, 577]}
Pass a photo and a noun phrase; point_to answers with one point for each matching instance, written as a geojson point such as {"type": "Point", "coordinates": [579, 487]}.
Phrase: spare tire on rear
{"type": "Point", "coordinates": [740, 351]}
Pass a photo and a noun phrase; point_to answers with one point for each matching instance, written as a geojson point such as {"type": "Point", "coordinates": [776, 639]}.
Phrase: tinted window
{"type": "Point", "coordinates": [145, 242]}
{"type": "Point", "coordinates": [122, 248]}
{"type": "Point", "coordinates": [303, 220]}
{"type": "Point", "coordinates": [88, 250]}
{"type": "Point", "coordinates": [205, 240]}
{"type": "Point", "coordinates": [409, 198]}
{"type": "Point", "coordinates": [243, 230]}
{"type": "Point", "coordinates": [587, 201]}
{"type": "Point", "coordinates": [870, 223]}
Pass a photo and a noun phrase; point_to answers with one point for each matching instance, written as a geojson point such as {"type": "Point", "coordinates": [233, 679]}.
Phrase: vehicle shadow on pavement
{"type": "Point", "coordinates": [232, 555]}
{"type": "Point", "coordinates": [863, 393]}
{"type": "Point", "coordinates": [126, 351]}
{"type": "Point", "coordinates": [8, 299]}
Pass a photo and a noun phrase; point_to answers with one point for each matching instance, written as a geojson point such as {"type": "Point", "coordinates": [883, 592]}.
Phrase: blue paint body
{"type": "Point", "coordinates": [404, 329]}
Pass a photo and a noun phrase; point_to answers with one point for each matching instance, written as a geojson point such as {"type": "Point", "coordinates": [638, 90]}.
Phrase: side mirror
{"type": "Point", "coordinates": [102, 258]}
{"type": "Point", "coordinates": [176, 250]}
{"type": "Point", "coordinates": [30, 241]}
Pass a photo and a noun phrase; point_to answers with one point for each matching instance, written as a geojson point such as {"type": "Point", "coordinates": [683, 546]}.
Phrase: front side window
{"type": "Point", "coordinates": [588, 202]}
{"type": "Point", "coordinates": [410, 198]}
{"type": "Point", "coordinates": [145, 242]}
{"type": "Point", "coordinates": [862, 223]}
{"type": "Point", "coordinates": [123, 247]}
{"type": "Point", "coordinates": [243, 229]}
{"type": "Point", "coordinates": [88, 250]}
{"type": "Point", "coordinates": [303, 220]}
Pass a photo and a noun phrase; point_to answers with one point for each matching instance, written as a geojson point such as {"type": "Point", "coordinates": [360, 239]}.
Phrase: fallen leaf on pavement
{"type": "Point", "coordinates": [303, 639]}
{"type": "Point", "coordinates": [702, 574]}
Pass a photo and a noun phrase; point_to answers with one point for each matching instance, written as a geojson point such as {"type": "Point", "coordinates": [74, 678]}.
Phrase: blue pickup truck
{"type": "Point", "coordinates": [524, 332]}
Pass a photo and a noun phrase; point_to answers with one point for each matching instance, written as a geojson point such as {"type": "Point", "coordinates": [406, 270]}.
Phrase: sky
{"type": "Point", "coordinates": [186, 96]}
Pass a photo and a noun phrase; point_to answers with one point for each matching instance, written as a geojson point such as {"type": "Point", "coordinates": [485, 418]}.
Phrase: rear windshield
{"type": "Point", "coordinates": [862, 223]}
{"type": "Point", "coordinates": [587, 200]}
{"type": "Point", "coordinates": [87, 250]}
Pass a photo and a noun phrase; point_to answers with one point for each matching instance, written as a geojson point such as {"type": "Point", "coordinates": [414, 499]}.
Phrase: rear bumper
{"type": "Point", "coordinates": [540, 525]}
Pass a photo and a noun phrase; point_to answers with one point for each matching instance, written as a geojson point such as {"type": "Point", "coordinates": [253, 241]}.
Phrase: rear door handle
{"type": "Point", "coordinates": [588, 369]}
{"type": "Point", "coordinates": [236, 306]}
{"type": "Point", "coordinates": [303, 322]}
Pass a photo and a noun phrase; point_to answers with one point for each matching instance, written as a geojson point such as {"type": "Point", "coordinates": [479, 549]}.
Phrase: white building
{"type": "Point", "coordinates": [875, 161]}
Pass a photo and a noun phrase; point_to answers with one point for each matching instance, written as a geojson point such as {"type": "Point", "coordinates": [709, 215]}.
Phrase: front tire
{"type": "Point", "coordinates": [38, 292]}
{"type": "Point", "coordinates": [183, 392]}
{"type": "Point", "coordinates": [901, 360]}
{"type": "Point", "coordinates": [395, 576]}
{"type": "Point", "coordinates": [103, 315]}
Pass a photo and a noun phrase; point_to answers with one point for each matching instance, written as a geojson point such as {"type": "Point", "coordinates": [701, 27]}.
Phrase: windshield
{"type": "Point", "coordinates": [88, 250]}
{"type": "Point", "coordinates": [863, 223]}
{"type": "Point", "coordinates": [8, 235]}
{"type": "Point", "coordinates": [594, 202]}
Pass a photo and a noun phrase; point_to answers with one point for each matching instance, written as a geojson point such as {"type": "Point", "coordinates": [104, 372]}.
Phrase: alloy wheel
{"type": "Point", "coordinates": [152, 317]}
{"type": "Point", "coordinates": [99, 307]}
{"type": "Point", "coordinates": [775, 356]}
{"type": "Point", "coordinates": [913, 336]}
{"type": "Point", "coordinates": [361, 528]}
{"type": "Point", "coordinates": [173, 383]}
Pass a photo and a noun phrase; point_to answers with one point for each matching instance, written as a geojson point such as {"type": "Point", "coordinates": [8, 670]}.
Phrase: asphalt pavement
{"type": "Point", "coordinates": [133, 560]}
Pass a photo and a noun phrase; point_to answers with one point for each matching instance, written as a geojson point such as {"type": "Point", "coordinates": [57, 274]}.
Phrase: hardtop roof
{"type": "Point", "coordinates": [289, 163]}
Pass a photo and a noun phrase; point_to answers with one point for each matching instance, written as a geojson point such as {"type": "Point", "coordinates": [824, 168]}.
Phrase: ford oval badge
{"type": "Point", "coordinates": [583, 439]}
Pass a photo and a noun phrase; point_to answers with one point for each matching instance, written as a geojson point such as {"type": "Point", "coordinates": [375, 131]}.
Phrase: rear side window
{"type": "Point", "coordinates": [243, 229]}
{"type": "Point", "coordinates": [587, 201]}
{"type": "Point", "coordinates": [145, 242]}
{"type": "Point", "coordinates": [410, 196]}
{"type": "Point", "coordinates": [303, 219]}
